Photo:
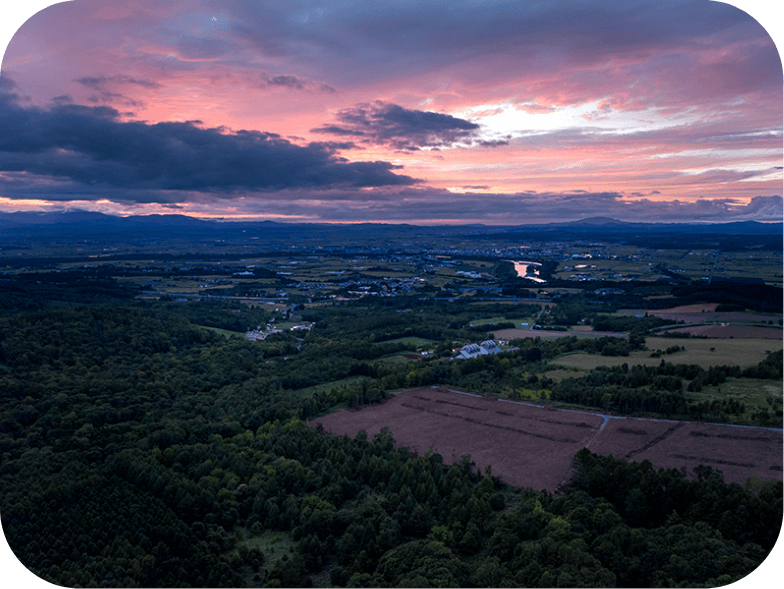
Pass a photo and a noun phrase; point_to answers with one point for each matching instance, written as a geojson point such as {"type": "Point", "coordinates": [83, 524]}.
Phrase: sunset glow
{"type": "Point", "coordinates": [457, 112]}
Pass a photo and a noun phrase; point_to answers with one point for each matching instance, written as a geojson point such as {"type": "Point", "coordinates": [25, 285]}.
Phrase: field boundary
{"type": "Point", "coordinates": [650, 444]}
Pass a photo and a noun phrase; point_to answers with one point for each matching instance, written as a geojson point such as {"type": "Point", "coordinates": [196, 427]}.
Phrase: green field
{"type": "Point", "coordinates": [398, 358]}
{"type": "Point", "coordinates": [516, 319]}
{"type": "Point", "coordinates": [224, 332]}
{"type": "Point", "coordinates": [754, 393]}
{"type": "Point", "coordinates": [702, 352]}
{"type": "Point", "coordinates": [558, 374]}
{"type": "Point", "coordinates": [418, 342]}
{"type": "Point", "coordinates": [327, 386]}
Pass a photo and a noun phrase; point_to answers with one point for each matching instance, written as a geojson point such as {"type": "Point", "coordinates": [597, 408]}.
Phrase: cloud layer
{"type": "Point", "coordinates": [400, 128]}
{"type": "Point", "coordinates": [418, 111]}
{"type": "Point", "coordinates": [91, 147]}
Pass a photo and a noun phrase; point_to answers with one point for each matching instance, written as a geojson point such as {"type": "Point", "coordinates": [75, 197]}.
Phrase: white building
{"type": "Point", "coordinates": [474, 350]}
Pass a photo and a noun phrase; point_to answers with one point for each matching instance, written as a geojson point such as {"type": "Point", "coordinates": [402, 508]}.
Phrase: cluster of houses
{"type": "Point", "coordinates": [259, 334]}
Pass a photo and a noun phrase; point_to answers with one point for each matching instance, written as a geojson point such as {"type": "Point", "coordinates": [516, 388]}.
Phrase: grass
{"type": "Point", "coordinates": [514, 319]}
{"type": "Point", "coordinates": [702, 352]}
{"type": "Point", "coordinates": [398, 358]}
{"type": "Point", "coordinates": [531, 395]}
{"type": "Point", "coordinates": [273, 543]}
{"type": "Point", "coordinates": [558, 374]}
{"type": "Point", "coordinates": [752, 392]}
{"type": "Point", "coordinates": [224, 332]}
{"type": "Point", "coordinates": [327, 386]}
{"type": "Point", "coordinates": [413, 340]}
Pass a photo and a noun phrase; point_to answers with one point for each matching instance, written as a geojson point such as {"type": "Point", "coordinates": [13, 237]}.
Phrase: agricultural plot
{"type": "Point", "coordinates": [526, 446]}
{"type": "Point", "coordinates": [508, 334]}
{"type": "Point", "coordinates": [701, 314]}
{"type": "Point", "coordinates": [526, 315]}
{"type": "Point", "coordinates": [702, 352]}
{"type": "Point", "coordinates": [731, 331]}
{"type": "Point", "coordinates": [532, 446]}
{"type": "Point", "coordinates": [739, 452]}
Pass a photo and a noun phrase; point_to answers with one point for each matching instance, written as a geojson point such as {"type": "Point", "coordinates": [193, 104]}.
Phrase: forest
{"type": "Point", "coordinates": [140, 448]}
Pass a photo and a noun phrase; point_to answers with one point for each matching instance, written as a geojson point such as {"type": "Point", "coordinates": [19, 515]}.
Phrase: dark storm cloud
{"type": "Point", "coordinates": [90, 146]}
{"type": "Point", "coordinates": [401, 128]}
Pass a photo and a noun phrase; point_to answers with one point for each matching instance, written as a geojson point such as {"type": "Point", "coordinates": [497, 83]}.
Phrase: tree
{"type": "Point", "coordinates": [409, 564]}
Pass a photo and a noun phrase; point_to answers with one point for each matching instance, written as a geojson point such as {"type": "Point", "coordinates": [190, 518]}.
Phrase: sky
{"type": "Point", "coordinates": [424, 112]}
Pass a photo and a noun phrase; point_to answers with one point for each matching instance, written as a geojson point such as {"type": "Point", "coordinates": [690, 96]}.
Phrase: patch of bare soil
{"type": "Point", "coordinates": [531, 446]}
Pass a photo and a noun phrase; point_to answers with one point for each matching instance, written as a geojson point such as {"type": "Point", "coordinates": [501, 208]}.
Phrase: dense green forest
{"type": "Point", "coordinates": [141, 449]}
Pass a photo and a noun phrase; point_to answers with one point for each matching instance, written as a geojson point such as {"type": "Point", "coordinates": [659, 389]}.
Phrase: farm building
{"type": "Point", "coordinates": [474, 350]}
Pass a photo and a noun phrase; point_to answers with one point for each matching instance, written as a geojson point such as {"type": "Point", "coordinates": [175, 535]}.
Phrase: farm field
{"type": "Point", "coordinates": [526, 446]}
{"type": "Point", "coordinates": [508, 334]}
{"type": "Point", "coordinates": [702, 352]}
{"type": "Point", "coordinates": [531, 446]}
{"type": "Point", "coordinates": [516, 319]}
{"type": "Point", "coordinates": [692, 314]}
{"type": "Point", "coordinates": [731, 331]}
{"type": "Point", "coordinates": [739, 452]}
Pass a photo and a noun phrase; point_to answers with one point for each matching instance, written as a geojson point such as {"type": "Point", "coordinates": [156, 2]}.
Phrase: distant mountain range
{"type": "Point", "coordinates": [731, 228]}
{"type": "Point", "coordinates": [24, 230]}
{"type": "Point", "coordinates": [91, 221]}
{"type": "Point", "coordinates": [77, 217]}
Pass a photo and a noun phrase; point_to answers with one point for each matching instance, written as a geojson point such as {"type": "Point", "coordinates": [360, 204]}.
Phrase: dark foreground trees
{"type": "Point", "coordinates": [139, 449]}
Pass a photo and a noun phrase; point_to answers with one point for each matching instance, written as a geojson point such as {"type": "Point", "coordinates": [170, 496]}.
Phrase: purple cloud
{"type": "Point", "coordinates": [401, 128]}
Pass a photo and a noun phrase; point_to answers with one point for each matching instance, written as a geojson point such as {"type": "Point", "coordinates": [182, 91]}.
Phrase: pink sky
{"type": "Point", "coordinates": [395, 111]}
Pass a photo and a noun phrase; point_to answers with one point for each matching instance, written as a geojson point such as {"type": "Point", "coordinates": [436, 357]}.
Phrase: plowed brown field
{"type": "Point", "coordinates": [732, 331]}
{"type": "Point", "coordinates": [531, 446]}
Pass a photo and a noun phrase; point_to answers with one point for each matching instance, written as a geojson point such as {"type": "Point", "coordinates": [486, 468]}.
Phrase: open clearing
{"type": "Point", "coordinates": [224, 332]}
{"type": "Point", "coordinates": [532, 446]}
{"type": "Point", "coordinates": [326, 387]}
{"type": "Point", "coordinates": [754, 393]}
{"type": "Point", "coordinates": [411, 339]}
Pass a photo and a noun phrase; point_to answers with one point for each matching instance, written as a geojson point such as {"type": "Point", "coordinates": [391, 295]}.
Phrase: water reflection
{"type": "Point", "coordinates": [528, 270]}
